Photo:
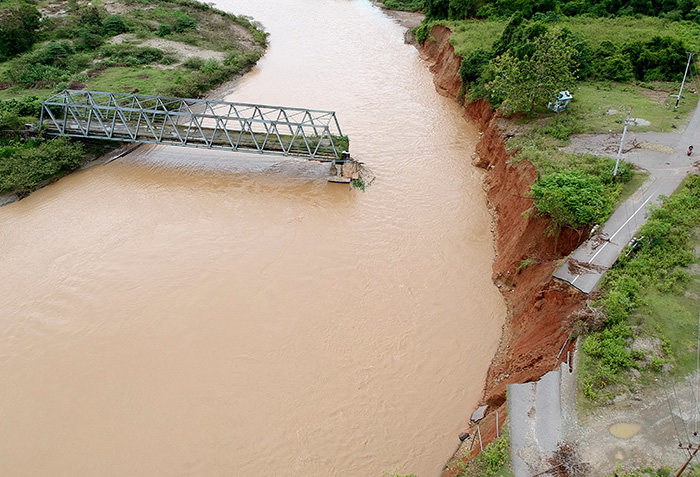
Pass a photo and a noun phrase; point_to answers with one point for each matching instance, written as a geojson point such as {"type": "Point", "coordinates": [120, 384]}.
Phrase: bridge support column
{"type": "Point", "coordinates": [344, 172]}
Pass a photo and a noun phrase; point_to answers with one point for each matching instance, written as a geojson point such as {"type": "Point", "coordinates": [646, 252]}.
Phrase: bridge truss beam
{"type": "Point", "coordinates": [307, 133]}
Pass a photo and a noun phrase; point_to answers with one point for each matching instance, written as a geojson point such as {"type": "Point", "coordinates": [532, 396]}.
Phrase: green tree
{"type": "Point", "coordinates": [572, 198]}
{"type": "Point", "coordinates": [18, 30]}
{"type": "Point", "coordinates": [534, 79]}
{"type": "Point", "coordinates": [437, 9]}
{"type": "Point", "coordinates": [114, 25]}
{"type": "Point", "coordinates": [463, 9]}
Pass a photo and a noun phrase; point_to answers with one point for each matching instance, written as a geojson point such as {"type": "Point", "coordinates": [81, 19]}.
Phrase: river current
{"type": "Point", "coordinates": [186, 312]}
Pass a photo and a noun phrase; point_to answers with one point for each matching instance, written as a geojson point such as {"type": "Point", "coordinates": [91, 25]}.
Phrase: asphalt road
{"type": "Point", "coordinates": [587, 264]}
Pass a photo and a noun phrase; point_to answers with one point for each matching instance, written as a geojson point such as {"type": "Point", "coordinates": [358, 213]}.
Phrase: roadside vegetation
{"type": "Point", "coordinates": [612, 56]}
{"type": "Point", "coordinates": [649, 301]}
{"type": "Point", "coordinates": [132, 46]}
{"type": "Point", "coordinates": [493, 461]}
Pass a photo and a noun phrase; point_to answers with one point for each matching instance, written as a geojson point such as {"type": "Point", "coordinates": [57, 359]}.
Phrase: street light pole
{"type": "Point", "coordinates": [690, 55]}
{"type": "Point", "coordinates": [619, 151]}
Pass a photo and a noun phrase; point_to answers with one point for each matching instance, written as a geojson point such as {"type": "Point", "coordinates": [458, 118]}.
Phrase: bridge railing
{"type": "Point", "coordinates": [308, 133]}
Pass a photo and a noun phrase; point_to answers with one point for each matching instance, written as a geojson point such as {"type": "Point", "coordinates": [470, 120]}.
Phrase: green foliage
{"type": "Point", "coordinates": [572, 199]}
{"type": "Point", "coordinates": [437, 9]}
{"type": "Point", "coordinates": [18, 29]}
{"type": "Point", "coordinates": [76, 48]}
{"type": "Point", "coordinates": [193, 62]}
{"type": "Point", "coordinates": [184, 22]}
{"type": "Point", "coordinates": [522, 83]}
{"type": "Point", "coordinates": [526, 263]}
{"type": "Point", "coordinates": [659, 59]}
{"type": "Point", "coordinates": [656, 264]}
{"type": "Point", "coordinates": [495, 455]}
{"type": "Point", "coordinates": [27, 106]}
{"type": "Point", "coordinates": [406, 5]}
{"type": "Point", "coordinates": [164, 30]}
{"type": "Point", "coordinates": [210, 66]}
{"type": "Point", "coordinates": [493, 461]}
{"type": "Point", "coordinates": [456, 9]}
{"type": "Point", "coordinates": [132, 55]}
{"type": "Point", "coordinates": [23, 168]}
{"type": "Point", "coordinates": [114, 25]}
{"type": "Point", "coordinates": [473, 66]}
{"type": "Point", "coordinates": [9, 121]}
{"type": "Point", "coordinates": [645, 472]}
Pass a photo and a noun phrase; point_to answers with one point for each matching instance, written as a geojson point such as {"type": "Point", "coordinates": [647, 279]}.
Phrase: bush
{"type": "Point", "coordinates": [55, 53]}
{"type": "Point", "coordinates": [27, 106]}
{"type": "Point", "coordinates": [22, 171]}
{"type": "Point", "coordinates": [572, 198]}
{"type": "Point", "coordinates": [164, 30]}
{"type": "Point", "coordinates": [473, 65]}
{"type": "Point", "coordinates": [184, 22]}
{"type": "Point", "coordinates": [18, 30]}
{"type": "Point", "coordinates": [210, 66]}
{"type": "Point", "coordinates": [30, 73]}
{"type": "Point", "coordinates": [132, 55]}
{"type": "Point", "coordinates": [114, 25]}
{"type": "Point", "coordinates": [193, 62]}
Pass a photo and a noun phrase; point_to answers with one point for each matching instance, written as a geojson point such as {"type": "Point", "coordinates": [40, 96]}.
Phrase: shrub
{"type": "Point", "coordinates": [572, 198]}
{"type": "Point", "coordinates": [164, 30]}
{"type": "Point", "coordinates": [27, 106]}
{"type": "Point", "coordinates": [27, 167]}
{"type": "Point", "coordinates": [133, 55]}
{"type": "Point", "coordinates": [184, 22]}
{"type": "Point", "coordinates": [473, 65]}
{"type": "Point", "coordinates": [193, 62]}
{"type": "Point", "coordinates": [114, 25]}
{"type": "Point", "coordinates": [30, 73]}
{"type": "Point", "coordinates": [18, 30]}
{"type": "Point", "coordinates": [210, 66]}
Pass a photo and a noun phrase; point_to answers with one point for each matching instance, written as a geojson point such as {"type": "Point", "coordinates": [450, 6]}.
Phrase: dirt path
{"type": "Point", "coordinates": [664, 416]}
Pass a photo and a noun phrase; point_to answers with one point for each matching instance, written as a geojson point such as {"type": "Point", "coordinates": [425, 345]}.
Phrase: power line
{"type": "Point", "coordinates": [670, 410]}
{"type": "Point", "coordinates": [680, 411]}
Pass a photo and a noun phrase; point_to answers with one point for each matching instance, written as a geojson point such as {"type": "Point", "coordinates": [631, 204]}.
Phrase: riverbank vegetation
{"type": "Point", "coordinates": [650, 302]}
{"type": "Point", "coordinates": [179, 48]}
{"type": "Point", "coordinates": [493, 461]}
{"type": "Point", "coordinates": [612, 57]}
{"type": "Point", "coordinates": [78, 45]}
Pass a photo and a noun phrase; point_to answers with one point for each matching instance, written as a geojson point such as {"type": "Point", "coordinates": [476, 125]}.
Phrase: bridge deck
{"type": "Point", "coordinates": [310, 134]}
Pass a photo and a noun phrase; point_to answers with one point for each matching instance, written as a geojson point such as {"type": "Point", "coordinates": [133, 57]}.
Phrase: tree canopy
{"type": "Point", "coordinates": [522, 83]}
{"type": "Point", "coordinates": [18, 30]}
{"type": "Point", "coordinates": [572, 198]}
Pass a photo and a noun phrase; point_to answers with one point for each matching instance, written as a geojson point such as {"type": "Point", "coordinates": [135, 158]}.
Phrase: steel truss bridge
{"type": "Point", "coordinates": [306, 133]}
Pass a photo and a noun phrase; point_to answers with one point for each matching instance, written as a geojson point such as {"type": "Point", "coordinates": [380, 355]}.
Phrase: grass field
{"type": "Point", "coordinates": [593, 103]}
{"type": "Point", "coordinates": [146, 79]}
{"type": "Point", "coordinates": [470, 35]}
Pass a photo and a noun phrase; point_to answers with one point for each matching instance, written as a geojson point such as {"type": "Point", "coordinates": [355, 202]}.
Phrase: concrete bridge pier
{"type": "Point", "coordinates": [345, 171]}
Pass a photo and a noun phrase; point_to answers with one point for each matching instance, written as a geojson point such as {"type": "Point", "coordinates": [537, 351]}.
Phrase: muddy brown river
{"type": "Point", "coordinates": [188, 312]}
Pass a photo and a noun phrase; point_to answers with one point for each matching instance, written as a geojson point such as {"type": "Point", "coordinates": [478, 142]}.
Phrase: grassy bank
{"type": "Point", "coordinates": [493, 461]}
{"type": "Point", "coordinates": [649, 301]}
{"type": "Point", "coordinates": [177, 48]}
{"type": "Point", "coordinates": [645, 320]}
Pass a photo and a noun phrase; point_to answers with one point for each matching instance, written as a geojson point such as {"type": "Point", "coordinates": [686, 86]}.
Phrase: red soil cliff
{"type": "Point", "coordinates": [539, 306]}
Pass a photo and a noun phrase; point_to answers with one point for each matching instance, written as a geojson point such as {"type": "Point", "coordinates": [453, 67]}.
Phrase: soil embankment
{"type": "Point", "coordinates": [526, 256]}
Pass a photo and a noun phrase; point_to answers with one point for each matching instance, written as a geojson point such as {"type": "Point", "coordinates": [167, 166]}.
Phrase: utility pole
{"type": "Point", "coordinates": [688, 461]}
{"type": "Point", "coordinates": [619, 151]}
{"type": "Point", "coordinates": [690, 55]}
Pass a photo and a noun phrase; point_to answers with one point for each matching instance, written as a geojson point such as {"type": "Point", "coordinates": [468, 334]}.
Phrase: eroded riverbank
{"type": "Point", "coordinates": [538, 306]}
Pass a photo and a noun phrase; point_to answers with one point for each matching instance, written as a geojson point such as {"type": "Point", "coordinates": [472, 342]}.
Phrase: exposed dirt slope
{"type": "Point", "coordinates": [539, 307]}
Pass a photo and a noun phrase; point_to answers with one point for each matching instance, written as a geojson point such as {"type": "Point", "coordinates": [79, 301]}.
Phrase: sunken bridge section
{"type": "Point", "coordinates": [305, 133]}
